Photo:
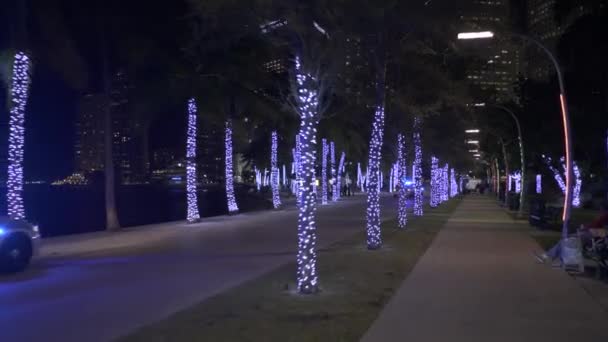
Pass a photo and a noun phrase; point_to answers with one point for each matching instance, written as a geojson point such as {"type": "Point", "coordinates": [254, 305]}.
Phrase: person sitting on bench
{"type": "Point", "coordinates": [595, 229]}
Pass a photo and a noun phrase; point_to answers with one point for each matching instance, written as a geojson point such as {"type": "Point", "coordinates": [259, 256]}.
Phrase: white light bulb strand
{"type": "Point", "coordinates": [417, 174]}
{"type": "Point", "coordinates": [19, 92]}
{"type": "Point", "coordinates": [274, 167]}
{"type": "Point", "coordinates": [400, 171]}
{"type": "Point", "coordinates": [335, 195]}
{"type": "Point", "coordinates": [191, 187]}
{"type": "Point", "coordinates": [434, 182]}
{"type": "Point", "coordinates": [307, 102]}
{"type": "Point", "coordinates": [445, 183]}
{"type": "Point", "coordinates": [325, 152]}
{"type": "Point", "coordinates": [453, 184]}
{"type": "Point", "coordinates": [229, 174]}
{"type": "Point", "coordinates": [340, 171]}
{"type": "Point", "coordinates": [576, 195]}
{"type": "Point", "coordinates": [374, 238]}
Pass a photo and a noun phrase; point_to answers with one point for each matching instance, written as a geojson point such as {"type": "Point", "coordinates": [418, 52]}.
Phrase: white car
{"type": "Point", "coordinates": [19, 242]}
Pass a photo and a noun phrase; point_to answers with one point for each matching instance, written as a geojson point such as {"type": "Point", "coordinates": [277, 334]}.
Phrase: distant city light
{"type": "Point", "coordinates": [476, 35]}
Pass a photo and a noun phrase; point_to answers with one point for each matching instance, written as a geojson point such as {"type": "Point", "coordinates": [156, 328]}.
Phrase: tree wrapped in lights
{"type": "Point", "coordinates": [298, 169]}
{"type": "Point", "coordinates": [19, 92]}
{"type": "Point", "coordinates": [539, 184]}
{"type": "Point", "coordinates": [576, 195]}
{"type": "Point", "coordinates": [230, 197]}
{"type": "Point", "coordinates": [340, 171]}
{"type": "Point", "coordinates": [374, 239]}
{"type": "Point", "coordinates": [453, 184]}
{"type": "Point", "coordinates": [444, 183]}
{"type": "Point", "coordinates": [308, 89]}
{"type": "Point", "coordinates": [274, 171]}
{"type": "Point", "coordinates": [191, 188]}
{"type": "Point", "coordinates": [335, 195]}
{"type": "Point", "coordinates": [435, 183]}
{"type": "Point", "coordinates": [325, 152]}
{"type": "Point", "coordinates": [516, 178]}
{"type": "Point", "coordinates": [417, 174]}
{"type": "Point", "coordinates": [401, 173]}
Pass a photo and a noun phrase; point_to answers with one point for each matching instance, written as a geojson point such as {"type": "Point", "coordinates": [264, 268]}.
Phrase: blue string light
{"type": "Point", "coordinates": [191, 191]}
{"type": "Point", "coordinates": [401, 169]}
{"type": "Point", "coordinates": [307, 102]}
{"type": "Point", "coordinates": [325, 152]}
{"type": "Point", "coordinates": [231, 199]}
{"type": "Point", "coordinates": [340, 171]}
{"type": "Point", "coordinates": [335, 194]}
{"type": "Point", "coordinates": [444, 183]}
{"type": "Point", "coordinates": [417, 174]}
{"type": "Point", "coordinates": [274, 167]}
{"type": "Point", "coordinates": [453, 184]}
{"type": "Point", "coordinates": [539, 184]}
{"type": "Point", "coordinates": [374, 239]}
{"type": "Point", "coordinates": [19, 92]}
{"type": "Point", "coordinates": [435, 183]}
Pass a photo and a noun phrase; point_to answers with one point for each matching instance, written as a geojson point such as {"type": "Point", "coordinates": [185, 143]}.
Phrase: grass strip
{"type": "Point", "coordinates": [356, 284]}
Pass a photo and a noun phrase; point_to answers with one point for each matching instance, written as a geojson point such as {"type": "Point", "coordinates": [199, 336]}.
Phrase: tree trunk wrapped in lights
{"type": "Point", "coordinates": [453, 183]}
{"type": "Point", "coordinates": [444, 183]}
{"type": "Point", "coordinates": [374, 239]}
{"type": "Point", "coordinates": [307, 90]}
{"type": "Point", "coordinates": [19, 92]}
{"type": "Point", "coordinates": [191, 188]}
{"type": "Point", "coordinates": [335, 194]}
{"type": "Point", "coordinates": [435, 183]}
{"type": "Point", "coordinates": [401, 170]}
{"type": "Point", "coordinates": [324, 153]}
{"type": "Point", "coordinates": [418, 191]}
{"type": "Point", "coordinates": [274, 169]}
{"type": "Point", "coordinates": [340, 171]}
{"type": "Point", "coordinates": [230, 197]}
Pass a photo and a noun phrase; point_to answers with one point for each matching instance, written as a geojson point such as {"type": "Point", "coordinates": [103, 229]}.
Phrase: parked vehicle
{"type": "Point", "coordinates": [19, 242]}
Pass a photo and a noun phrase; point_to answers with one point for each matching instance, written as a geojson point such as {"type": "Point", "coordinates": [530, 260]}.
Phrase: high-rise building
{"type": "Point", "coordinates": [89, 148]}
{"type": "Point", "coordinates": [128, 135]}
{"type": "Point", "coordinates": [497, 61]}
{"type": "Point", "coordinates": [542, 24]}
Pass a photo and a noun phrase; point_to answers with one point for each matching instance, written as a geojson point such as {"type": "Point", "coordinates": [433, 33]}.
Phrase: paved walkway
{"type": "Point", "coordinates": [479, 282]}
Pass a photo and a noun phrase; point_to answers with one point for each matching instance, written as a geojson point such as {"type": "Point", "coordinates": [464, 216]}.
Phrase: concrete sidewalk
{"type": "Point", "coordinates": [479, 282]}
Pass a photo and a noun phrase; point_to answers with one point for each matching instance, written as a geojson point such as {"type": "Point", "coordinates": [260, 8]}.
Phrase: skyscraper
{"type": "Point", "coordinates": [497, 61]}
{"type": "Point", "coordinates": [542, 24]}
{"type": "Point", "coordinates": [128, 134]}
{"type": "Point", "coordinates": [89, 147]}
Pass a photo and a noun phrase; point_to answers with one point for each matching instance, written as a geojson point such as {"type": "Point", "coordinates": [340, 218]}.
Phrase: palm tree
{"type": "Point", "coordinates": [18, 92]}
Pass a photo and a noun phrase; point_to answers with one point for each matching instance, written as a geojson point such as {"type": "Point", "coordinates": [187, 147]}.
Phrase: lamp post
{"type": "Point", "coordinates": [522, 155]}
{"type": "Point", "coordinates": [564, 112]}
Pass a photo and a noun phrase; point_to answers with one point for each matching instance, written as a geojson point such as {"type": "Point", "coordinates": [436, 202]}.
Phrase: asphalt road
{"type": "Point", "coordinates": [107, 294]}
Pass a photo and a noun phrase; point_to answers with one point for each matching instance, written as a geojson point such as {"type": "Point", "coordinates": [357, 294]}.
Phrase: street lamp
{"type": "Point", "coordinates": [564, 112]}
{"type": "Point", "coordinates": [522, 194]}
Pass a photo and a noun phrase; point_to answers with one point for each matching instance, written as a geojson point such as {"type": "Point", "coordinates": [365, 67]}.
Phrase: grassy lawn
{"type": "Point", "coordinates": [356, 283]}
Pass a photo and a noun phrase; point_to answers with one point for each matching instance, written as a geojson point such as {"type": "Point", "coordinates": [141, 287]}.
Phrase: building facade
{"type": "Point", "coordinates": [128, 135]}
{"type": "Point", "coordinates": [543, 24]}
{"type": "Point", "coordinates": [497, 61]}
